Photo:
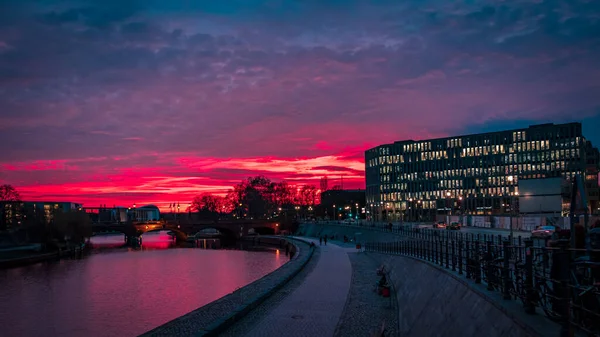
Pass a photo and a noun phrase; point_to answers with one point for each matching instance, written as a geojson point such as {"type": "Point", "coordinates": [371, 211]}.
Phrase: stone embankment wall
{"type": "Point", "coordinates": [361, 233]}
{"type": "Point", "coordinates": [271, 241]}
{"type": "Point", "coordinates": [432, 302]}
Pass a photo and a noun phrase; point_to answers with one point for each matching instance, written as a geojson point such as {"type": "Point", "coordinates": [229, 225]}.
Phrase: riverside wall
{"type": "Point", "coordinates": [433, 302]}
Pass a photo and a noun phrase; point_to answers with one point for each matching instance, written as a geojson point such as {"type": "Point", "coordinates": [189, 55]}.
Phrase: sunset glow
{"type": "Point", "coordinates": [153, 102]}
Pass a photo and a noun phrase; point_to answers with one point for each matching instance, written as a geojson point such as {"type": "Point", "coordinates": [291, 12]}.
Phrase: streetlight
{"type": "Point", "coordinates": [448, 194]}
{"type": "Point", "coordinates": [333, 214]}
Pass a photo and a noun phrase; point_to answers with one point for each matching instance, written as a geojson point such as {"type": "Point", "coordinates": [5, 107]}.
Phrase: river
{"type": "Point", "coordinates": [123, 292]}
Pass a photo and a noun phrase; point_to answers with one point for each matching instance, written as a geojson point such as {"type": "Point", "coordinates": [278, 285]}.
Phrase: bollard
{"type": "Point", "coordinates": [506, 279]}
{"type": "Point", "coordinates": [529, 304]}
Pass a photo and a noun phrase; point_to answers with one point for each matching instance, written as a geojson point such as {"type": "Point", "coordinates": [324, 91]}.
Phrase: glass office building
{"type": "Point", "coordinates": [472, 174]}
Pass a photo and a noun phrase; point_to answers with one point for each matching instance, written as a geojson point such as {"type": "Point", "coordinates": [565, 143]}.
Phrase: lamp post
{"type": "Point", "coordinates": [460, 199]}
{"type": "Point", "coordinates": [512, 207]}
{"type": "Point", "coordinates": [410, 209]}
{"type": "Point", "coordinates": [448, 194]}
{"type": "Point", "coordinates": [333, 217]}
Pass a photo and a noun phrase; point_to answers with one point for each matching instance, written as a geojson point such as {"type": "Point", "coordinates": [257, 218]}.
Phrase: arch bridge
{"type": "Point", "coordinates": [230, 228]}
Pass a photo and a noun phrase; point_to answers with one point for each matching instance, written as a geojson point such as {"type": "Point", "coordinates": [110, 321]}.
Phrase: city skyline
{"type": "Point", "coordinates": [116, 102]}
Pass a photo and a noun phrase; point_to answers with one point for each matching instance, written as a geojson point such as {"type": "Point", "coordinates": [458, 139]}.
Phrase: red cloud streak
{"type": "Point", "coordinates": [93, 185]}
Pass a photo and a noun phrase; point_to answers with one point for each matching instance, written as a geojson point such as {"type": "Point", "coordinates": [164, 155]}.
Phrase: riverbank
{"type": "Point", "coordinates": [15, 258]}
{"type": "Point", "coordinates": [25, 258]}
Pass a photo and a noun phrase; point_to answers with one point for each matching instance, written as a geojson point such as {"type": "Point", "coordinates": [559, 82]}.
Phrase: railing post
{"type": "Point", "coordinates": [488, 266]}
{"type": "Point", "coordinates": [453, 255]}
{"type": "Point", "coordinates": [441, 252]}
{"type": "Point", "coordinates": [460, 260]}
{"type": "Point", "coordinates": [562, 292]}
{"type": "Point", "coordinates": [507, 280]}
{"type": "Point", "coordinates": [529, 304]}
{"type": "Point", "coordinates": [468, 267]}
{"type": "Point", "coordinates": [447, 255]}
{"type": "Point", "coordinates": [428, 249]}
{"type": "Point", "coordinates": [476, 262]}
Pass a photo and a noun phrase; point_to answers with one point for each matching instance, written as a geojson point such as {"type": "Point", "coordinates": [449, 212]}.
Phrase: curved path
{"type": "Point", "coordinates": [315, 307]}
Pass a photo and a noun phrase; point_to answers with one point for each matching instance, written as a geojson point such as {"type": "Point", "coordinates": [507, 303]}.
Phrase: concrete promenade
{"type": "Point", "coordinates": [315, 307]}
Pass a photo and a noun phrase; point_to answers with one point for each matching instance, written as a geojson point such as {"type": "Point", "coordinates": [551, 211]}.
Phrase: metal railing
{"type": "Point", "coordinates": [422, 233]}
{"type": "Point", "coordinates": [564, 283]}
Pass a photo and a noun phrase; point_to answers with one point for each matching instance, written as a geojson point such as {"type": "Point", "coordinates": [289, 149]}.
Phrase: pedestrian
{"type": "Point", "coordinates": [287, 249]}
{"type": "Point", "coordinates": [320, 240]}
{"type": "Point", "coordinates": [325, 240]}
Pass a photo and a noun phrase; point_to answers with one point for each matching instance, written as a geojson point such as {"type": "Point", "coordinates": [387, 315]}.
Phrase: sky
{"type": "Point", "coordinates": [124, 101]}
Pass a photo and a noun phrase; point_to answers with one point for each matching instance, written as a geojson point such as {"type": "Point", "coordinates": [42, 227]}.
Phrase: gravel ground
{"type": "Point", "coordinates": [255, 316]}
{"type": "Point", "coordinates": [196, 321]}
{"type": "Point", "coordinates": [365, 310]}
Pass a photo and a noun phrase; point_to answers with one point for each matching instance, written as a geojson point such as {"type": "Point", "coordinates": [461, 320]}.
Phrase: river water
{"type": "Point", "coordinates": [123, 292]}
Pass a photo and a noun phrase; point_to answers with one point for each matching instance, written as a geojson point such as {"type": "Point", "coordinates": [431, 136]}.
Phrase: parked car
{"type": "Point", "coordinates": [543, 232]}
{"type": "Point", "coordinates": [453, 226]}
{"type": "Point", "coordinates": [439, 224]}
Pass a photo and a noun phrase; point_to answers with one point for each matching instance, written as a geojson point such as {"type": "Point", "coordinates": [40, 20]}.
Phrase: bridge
{"type": "Point", "coordinates": [232, 229]}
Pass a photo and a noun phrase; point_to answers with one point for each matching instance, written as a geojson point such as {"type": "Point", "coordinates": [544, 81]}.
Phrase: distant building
{"type": "Point", "coordinates": [475, 174]}
{"type": "Point", "coordinates": [146, 213]}
{"type": "Point", "coordinates": [121, 214]}
{"type": "Point", "coordinates": [343, 204]}
{"type": "Point", "coordinates": [13, 213]}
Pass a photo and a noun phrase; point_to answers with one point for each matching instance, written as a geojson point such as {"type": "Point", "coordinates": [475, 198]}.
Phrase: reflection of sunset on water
{"type": "Point", "coordinates": [150, 240]}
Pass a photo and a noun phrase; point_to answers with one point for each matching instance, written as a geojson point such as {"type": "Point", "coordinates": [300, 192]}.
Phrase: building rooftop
{"type": "Point", "coordinates": [535, 126]}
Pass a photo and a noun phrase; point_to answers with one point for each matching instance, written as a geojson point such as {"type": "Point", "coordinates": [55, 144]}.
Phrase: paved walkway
{"type": "Point", "coordinates": [315, 307]}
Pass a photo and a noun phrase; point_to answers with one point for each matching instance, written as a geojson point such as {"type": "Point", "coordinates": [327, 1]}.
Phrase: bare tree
{"type": "Point", "coordinates": [208, 203]}
{"type": "Point", "coordinates": [9, 193]}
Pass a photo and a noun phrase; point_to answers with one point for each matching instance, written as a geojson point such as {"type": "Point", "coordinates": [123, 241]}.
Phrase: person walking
{"type": "Point", "coordinates": [320, 240]}
{"type": "Point", "coordinates": [325, 240]}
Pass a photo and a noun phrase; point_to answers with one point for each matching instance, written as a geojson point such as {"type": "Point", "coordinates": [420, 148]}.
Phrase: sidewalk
{"type": "Point", "coordinates": [315, 307]}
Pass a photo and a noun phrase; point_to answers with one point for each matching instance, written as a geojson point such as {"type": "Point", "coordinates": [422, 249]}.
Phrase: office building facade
{"type": "Point", "coordinates": [14, 213]}
{"type": "Point", "coordinates": [472, 174]}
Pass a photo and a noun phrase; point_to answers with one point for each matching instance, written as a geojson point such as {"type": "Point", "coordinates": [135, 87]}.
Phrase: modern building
{"type": "Point", "coordinates": [343, 204]}
{"type": "Point", "coordinates": [13, 213]}
{"type": "Point", "coordinates": [122, 214]}
{"type": "Point", "coordinates": [475, 174]}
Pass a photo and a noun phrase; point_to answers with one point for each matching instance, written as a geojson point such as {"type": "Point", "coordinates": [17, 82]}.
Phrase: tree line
{"type": "Point", "coordinates": [257, 197]}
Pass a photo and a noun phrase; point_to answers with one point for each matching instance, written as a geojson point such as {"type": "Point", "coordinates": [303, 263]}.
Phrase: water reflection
{"type": "Point", "coordinates": [124, 293]}
{"type": "Point", "coordinates": [151, 240]}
